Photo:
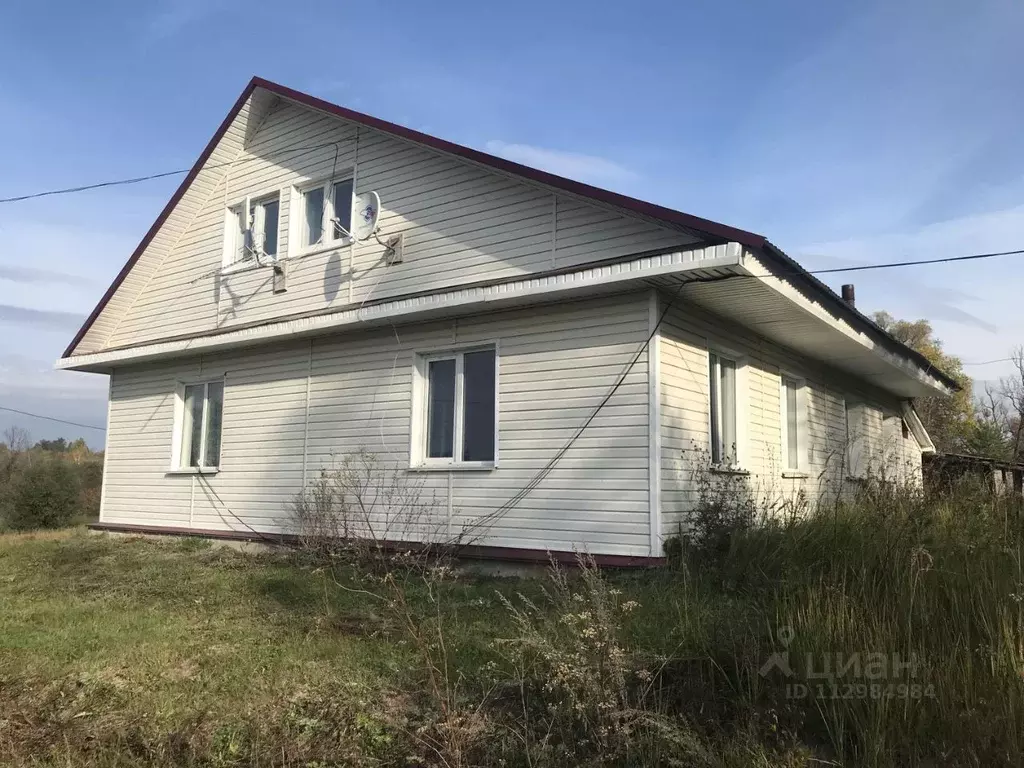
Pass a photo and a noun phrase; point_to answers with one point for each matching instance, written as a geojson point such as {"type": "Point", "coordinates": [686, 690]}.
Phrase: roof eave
{"type": "Point", "coordinates": [945, 384]}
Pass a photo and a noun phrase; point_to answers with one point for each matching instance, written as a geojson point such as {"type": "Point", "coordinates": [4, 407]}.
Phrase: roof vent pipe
{"type": "Point", "coordinates": [849, 296]}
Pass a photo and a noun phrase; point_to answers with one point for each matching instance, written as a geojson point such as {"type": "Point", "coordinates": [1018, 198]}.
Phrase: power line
{"type": "Point", "coordinates": [990, 362]}
{"type": "Point", "coordinates": [910, 263]}
{"type": "Point", "coordinates": [87, 187]}
{"type": "Point", "coordinates": [51, 418]}
{"type": "Point", "coordinates": [152, 176]}
{"type": "Point", "coordinates": [514, 501]}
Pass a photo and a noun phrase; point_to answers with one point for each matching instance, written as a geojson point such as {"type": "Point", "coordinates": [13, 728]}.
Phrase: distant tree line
{"type": "Point", "coordinates": [49, 483]}
{"type": "Point", "coordinates": [989, 423]}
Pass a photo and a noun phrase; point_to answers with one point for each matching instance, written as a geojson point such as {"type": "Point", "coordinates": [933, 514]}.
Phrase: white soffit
{"type": "Point", "coordinates": [700, 263]}
{"type": "Point", "coordinates": [774, 308]}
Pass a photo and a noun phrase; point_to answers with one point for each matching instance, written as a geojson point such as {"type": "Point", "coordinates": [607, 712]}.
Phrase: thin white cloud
{"type": "Point", "coordinates": [25, 376]}
{"type": "Point", "coordinates": [960, 299]}
{"type": "Point", "coordinates": [45, 319]}
{"type": "Point", "coordinates": [30, 275]}
{"type": "Point", "coordinates": [33, 387]}
{"type": "Point", "coordinates": [573, 165]}
{"type": "Point", "coordinates": [174, 15]}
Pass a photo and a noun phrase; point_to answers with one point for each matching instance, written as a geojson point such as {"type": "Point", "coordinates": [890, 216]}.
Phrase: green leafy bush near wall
{"type": "Point", "coordinates": [44, 495]}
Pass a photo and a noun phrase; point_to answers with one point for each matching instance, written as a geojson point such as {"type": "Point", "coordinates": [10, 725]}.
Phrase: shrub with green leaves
{"type": "Point", "coordinates": [45, 495]}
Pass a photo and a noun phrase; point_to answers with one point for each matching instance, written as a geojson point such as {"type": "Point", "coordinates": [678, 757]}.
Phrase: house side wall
{"type": "Point", "coordinates": [293, 409]}
{"type": "Point", "coordinates": [461, 223]}
{"type": "Point", "coordinates": [686, 336]}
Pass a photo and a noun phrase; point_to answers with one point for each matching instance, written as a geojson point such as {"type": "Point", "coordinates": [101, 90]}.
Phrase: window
{"type": "Point", "coordinates": [326, 213]}
{"type": "Point", "coordinates": [197, 438]}
{"type": "Point", "coordinates": [252, 230]}
{"type": "Point", "coordinates": [457, 408]}
{"type": "Point", "coordinates": [794, 424]}
{"type": "Point", "coordinates": [722, 376]}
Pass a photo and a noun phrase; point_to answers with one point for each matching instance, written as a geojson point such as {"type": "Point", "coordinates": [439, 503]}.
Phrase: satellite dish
{"type": "Point", "coordinates": [365, 212]}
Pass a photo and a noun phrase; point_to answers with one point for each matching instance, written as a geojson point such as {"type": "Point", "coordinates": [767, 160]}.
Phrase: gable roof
{"type": "Point", "coordinates": [711, 232]}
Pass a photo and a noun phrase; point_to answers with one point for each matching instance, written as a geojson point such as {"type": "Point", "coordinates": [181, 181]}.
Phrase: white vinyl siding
{"type": "Point", "coordinates": [687, 336]}
{"type": "Point", "coordinates": [462, 224]}
{"type": "Point", "coordinates": [556, 364]}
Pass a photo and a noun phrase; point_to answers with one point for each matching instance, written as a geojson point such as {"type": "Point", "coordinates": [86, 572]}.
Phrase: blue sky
{"type": "Point", "coordinates": [848, 133]}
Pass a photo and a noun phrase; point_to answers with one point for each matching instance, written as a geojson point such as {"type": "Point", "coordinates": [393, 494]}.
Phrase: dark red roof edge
{"type": "Point", "coordinates": [712, 229]}
{"type": "Point", "coordinates": [855, 316]}
{"type": "Point", "coordinates": [178, 193]}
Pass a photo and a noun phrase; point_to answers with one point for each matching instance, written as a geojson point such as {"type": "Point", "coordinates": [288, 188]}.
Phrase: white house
{"type": "Point", "coordinates": [553, 361]}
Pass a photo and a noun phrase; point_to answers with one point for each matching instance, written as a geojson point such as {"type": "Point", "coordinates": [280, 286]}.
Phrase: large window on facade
{"type": "Point", "coordinates": [456, 412]}
{"type": "Point", "coordinates": [198, 426]}
{"type": "Point", "coordinates": [722, 381]}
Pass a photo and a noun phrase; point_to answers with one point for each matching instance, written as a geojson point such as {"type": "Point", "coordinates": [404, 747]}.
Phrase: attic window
{"type": "Point", "coordinates": [326, 213]}
{"type": "Point", "coordinates": [252, 230]}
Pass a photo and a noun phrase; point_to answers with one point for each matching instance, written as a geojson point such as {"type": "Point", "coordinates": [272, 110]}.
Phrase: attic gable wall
{"type": "Point", "coordinates": [192, 199]}
{"type": "Point", "coordinates": [462, 223]}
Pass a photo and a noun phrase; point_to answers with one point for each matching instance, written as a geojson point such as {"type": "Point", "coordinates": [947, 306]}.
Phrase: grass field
{"type": "Point", "coordinates": [119, 652]}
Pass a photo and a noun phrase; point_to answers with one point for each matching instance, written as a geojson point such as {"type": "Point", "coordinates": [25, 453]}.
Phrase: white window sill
{"type": "Point", "coordinates": [795, 473]}
{"type": "Point", "coordinates": [722, 469]}
{"type": "Point", "coordinates": [250, 264]}
{"type": "Point", "coordinates": [313, 250]}
{"type": "Point", "coordinates": [193, 471]}
{"type": "Point", "coordinates": [454, 467]}
{"type": "Point", "coordinates": [239, 266]}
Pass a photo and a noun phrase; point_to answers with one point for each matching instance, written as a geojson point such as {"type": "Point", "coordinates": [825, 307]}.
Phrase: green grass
{"type": "Point", "coordinates": [134, 636]}
{"type": "Point", "coordinates": [120, 652]}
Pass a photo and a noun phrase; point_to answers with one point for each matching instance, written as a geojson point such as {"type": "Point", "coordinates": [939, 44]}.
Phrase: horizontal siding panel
{"type": "Point", "coordinates": [556, 365]}
{"type": "Point", "coordinates": [685, 338]}
{"type": "Point", "coordinates": [462, 223]}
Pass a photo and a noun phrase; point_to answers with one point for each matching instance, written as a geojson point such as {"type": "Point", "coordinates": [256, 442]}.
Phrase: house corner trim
{"type": "Point", "coordinates": [654, 422]}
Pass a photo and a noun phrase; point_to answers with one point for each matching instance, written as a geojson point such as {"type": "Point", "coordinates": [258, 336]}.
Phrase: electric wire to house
{"type": "Point", "coordinates": [154, 176]}
{"type": "Point", "coordinates": [52, 418]}
{"type": "Point", "coordinates": [520, 495]}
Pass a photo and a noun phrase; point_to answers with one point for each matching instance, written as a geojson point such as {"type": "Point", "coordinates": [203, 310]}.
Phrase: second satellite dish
{"type": "Point", "coordinates": [366, 211]}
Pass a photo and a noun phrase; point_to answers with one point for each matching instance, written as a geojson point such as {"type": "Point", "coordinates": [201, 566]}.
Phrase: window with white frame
{"type": "Point", "coordinates": [456, 408]}
{"type": "Point", "coordinates": [199, 419]}
{"type": "Point", "coordinates": [326, 213]}
{"type": "Point", "coordinates": [723, 422]}
{"type": "Point", "coordinates": [794, 424]}
{"type": "Point", "coordinates": [252, 229]}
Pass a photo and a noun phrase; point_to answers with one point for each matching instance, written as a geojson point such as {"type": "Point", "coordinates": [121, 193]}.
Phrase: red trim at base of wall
{"type": "Point", "coordinates": [469, 552]}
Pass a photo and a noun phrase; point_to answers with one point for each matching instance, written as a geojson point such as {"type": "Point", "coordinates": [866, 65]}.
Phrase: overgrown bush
{"type": "Point", "coordinates": [44, 495]}
{"type": "Point", "coordinates": [363, 508]}
{"type": "Point", "coordinates": [927, 588]}
{"type": "Point", "coordinates": [588, 697]}
{"type": "Point", "coordinates": [22, 484]}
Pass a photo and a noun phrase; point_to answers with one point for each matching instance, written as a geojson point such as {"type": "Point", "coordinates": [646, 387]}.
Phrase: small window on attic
{"type": "Point", "coordinates": [252, 230]}
{"type": "Point", "coordinates": [326, 214]}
